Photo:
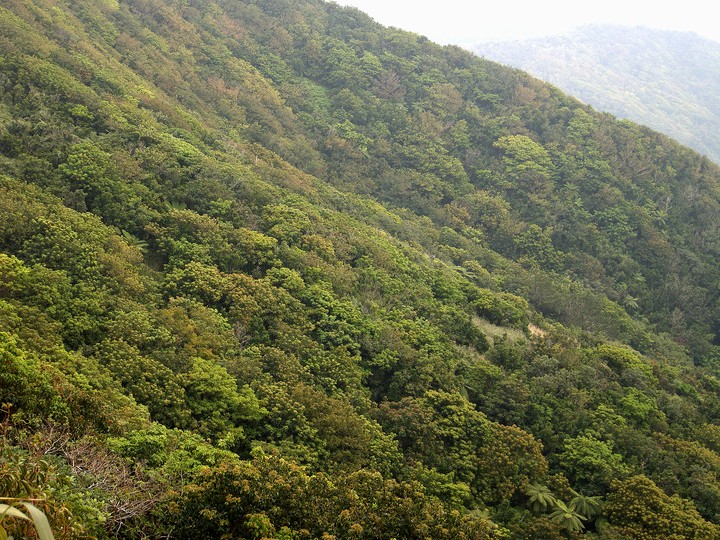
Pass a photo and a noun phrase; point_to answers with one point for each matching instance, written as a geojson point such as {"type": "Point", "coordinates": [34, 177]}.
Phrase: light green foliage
{"type": "Point", "coordinates": [216, 405]}
{"type": "Point", "coordinates": [58, 245]}
{"type": "Point", "coordinates": [503, 309]}
{"type": "Point", "coordinates": [14, 275]}
{"type": "Point", "coordinates": [26, 384]}
{"type": "Point", "coordinates": [185, 236]}
{"type": "Point", "coordinates": [94, 180]}
{"type": "Point", "coordinates": [591, 464]}
{"type": "Point", "coordinates": [526, 161]}
{"type": "Point", "coordinates": [285, 223]}
{"type": "Point", "coordinates": [337, 323]}
{"type": "Point", "coordinates": [170, 454]}
{"type": "Point", "coordinates": [535, 248]}
{"type": "Point", "coordinates": [540, 498]}
{"type": "Point", "coordinates": [567, 518]}
{"type": "Point", "coordinates": [638, 406]}
{"type": "Point", "coordinates": [588, 506]}
{"type": "Point", "coordinates": [622, 358]}
{"type": "Point", "coordinates": [148, 381]}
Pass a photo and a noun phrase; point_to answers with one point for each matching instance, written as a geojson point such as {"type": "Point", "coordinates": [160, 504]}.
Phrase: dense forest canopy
{"type": "Point", "coordinates": [271, 270]}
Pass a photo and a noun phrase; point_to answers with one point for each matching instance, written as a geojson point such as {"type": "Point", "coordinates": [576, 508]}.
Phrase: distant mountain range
{"type": "Point", "coordinates": [669, 81]}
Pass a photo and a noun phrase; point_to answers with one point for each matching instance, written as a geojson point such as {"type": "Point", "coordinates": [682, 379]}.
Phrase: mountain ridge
{"type": "Point", "coordinates": [660, 78]}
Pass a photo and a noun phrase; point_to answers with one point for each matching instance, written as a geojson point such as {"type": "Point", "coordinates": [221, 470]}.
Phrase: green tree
{"type": "Point", "coordinates": [567, 518]}
{"type": "Point", "coordinates": [93, 177]}
{"type": "Point", "coordinates": [527, 162]}
{"type": "Point", "coordinates": [27, 384]}
{"type": "Point", "coordinates": [216, 404]}
{"type": "Point", "coordinates": [636, 509]}
{"type": "Point", "coordinates": [540, 498]}
{"type": "Point", "coordinates": [591, 463]}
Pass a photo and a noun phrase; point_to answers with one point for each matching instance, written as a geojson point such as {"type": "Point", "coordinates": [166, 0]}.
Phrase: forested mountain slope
{"type": "Point", "coordinates": [271, 270]}
{"type": "Point", "coordinates": [667, 80]}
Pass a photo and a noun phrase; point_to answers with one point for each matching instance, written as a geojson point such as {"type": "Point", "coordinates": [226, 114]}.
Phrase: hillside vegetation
{"type": "Point", "coordinates": [666, 80]}
{"type": "Point", "coordinates": [271, 270]}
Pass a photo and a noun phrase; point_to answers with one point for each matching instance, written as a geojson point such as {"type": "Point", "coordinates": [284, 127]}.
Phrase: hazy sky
{"type": "Point", "coordinates": [467, 21]}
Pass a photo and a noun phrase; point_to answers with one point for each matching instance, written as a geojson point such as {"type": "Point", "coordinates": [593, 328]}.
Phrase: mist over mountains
{"type": "Point", "coordinates": [667, 80]}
